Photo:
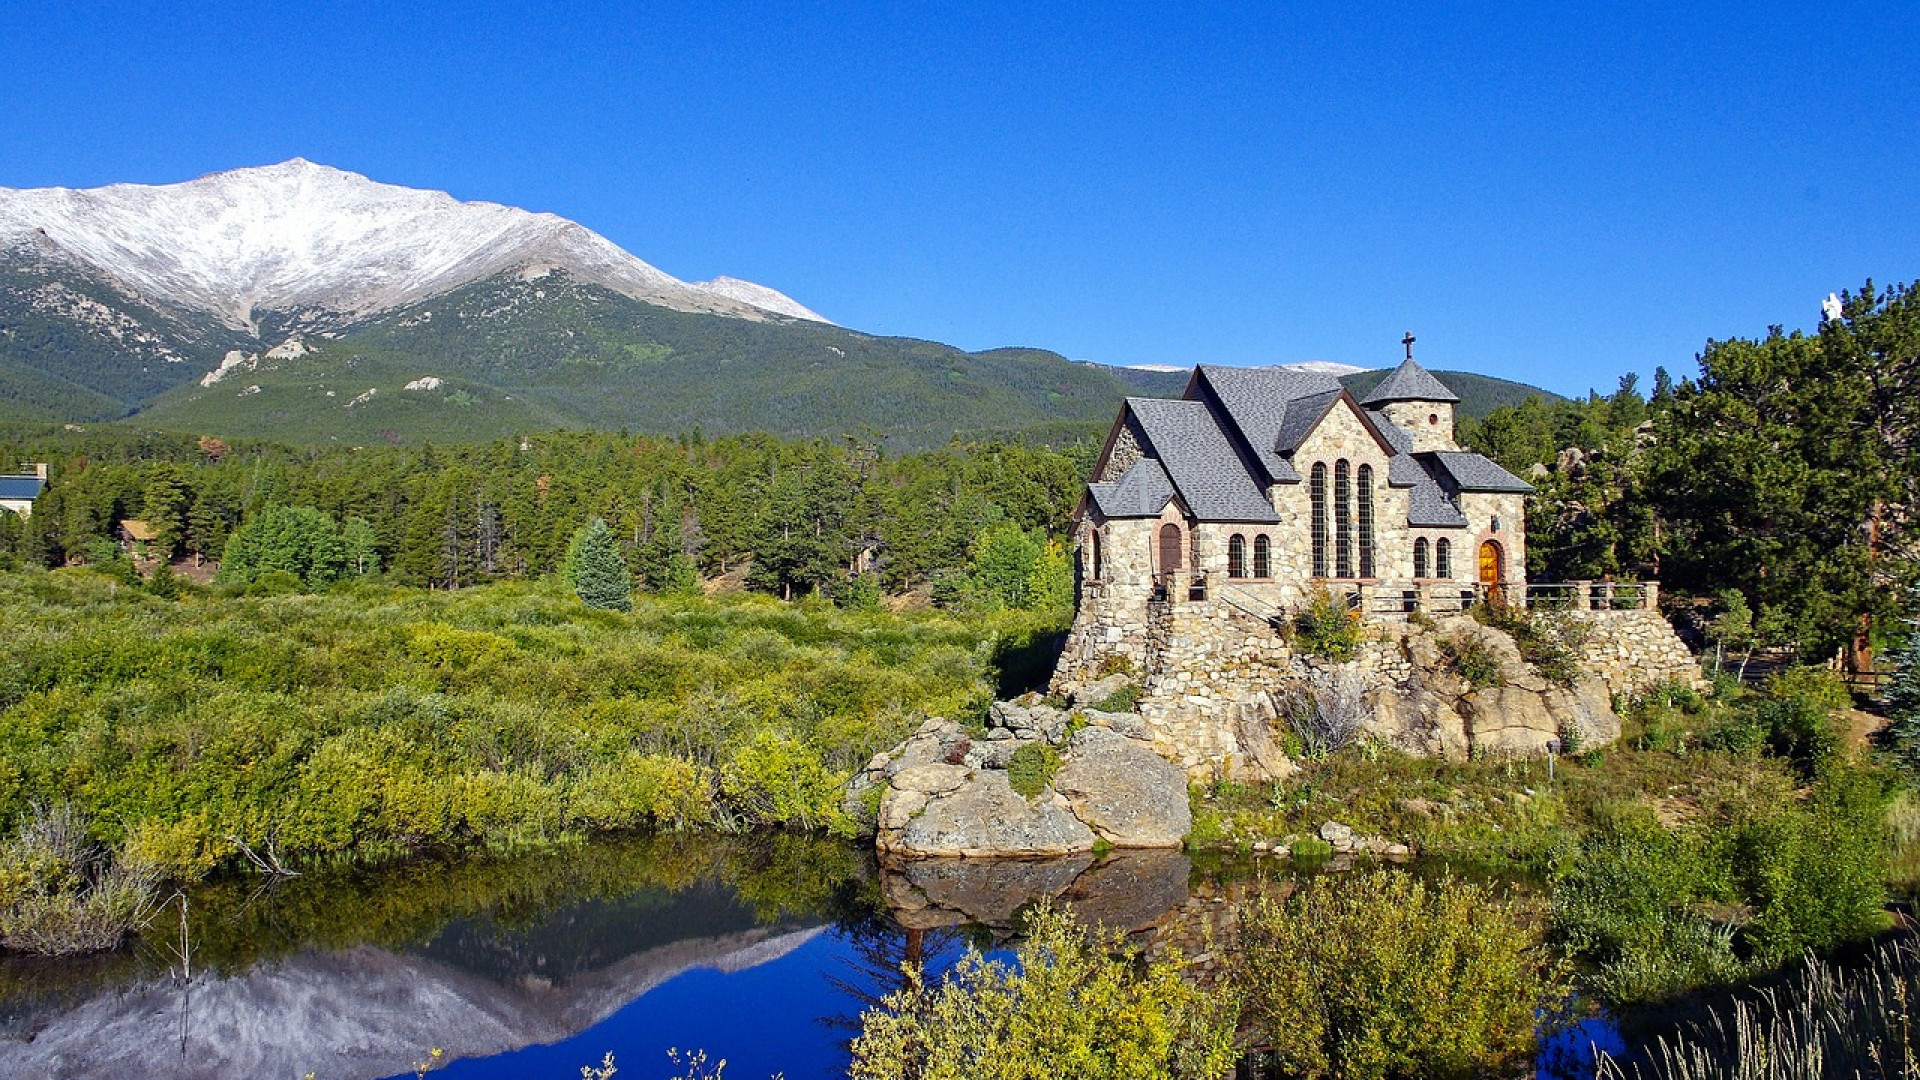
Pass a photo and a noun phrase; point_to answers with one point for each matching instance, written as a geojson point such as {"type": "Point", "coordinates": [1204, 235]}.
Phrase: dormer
{"type": "Point", "coordinates": [1417, 403]}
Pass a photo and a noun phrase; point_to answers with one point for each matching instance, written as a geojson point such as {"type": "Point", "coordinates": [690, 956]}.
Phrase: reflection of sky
{"type": "Point", "coordinates": [1571, 1052]}
{"type": "Point", "coordinates": [773, 1018]}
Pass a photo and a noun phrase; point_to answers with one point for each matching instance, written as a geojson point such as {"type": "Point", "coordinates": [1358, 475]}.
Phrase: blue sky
{"type": "Point", "coordinates": [1539, 192]}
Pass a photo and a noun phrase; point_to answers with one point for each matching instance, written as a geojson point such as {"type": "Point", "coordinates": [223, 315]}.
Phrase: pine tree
{"type": "Point", "coordinates": [1903, 691]}
{"type": "Point", "coordinates": [596, 570]}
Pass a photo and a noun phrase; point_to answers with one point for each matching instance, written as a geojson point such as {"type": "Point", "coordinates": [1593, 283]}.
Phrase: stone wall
{"type": "Point", "coordinates": [1631, 651]}
{"type": "Point", "coordinates": [1214, 678]}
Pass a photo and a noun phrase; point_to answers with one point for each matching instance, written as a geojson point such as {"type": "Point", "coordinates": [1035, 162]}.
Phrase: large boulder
{"type": "Point", "coordinates": [1130, 795]}
{"type": "Point", "coordinates": [983, 816]}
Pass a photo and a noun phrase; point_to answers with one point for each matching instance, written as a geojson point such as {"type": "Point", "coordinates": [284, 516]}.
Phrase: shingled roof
{"type": "Point", "coordinates": [1410, 382]}
{"type": "Point", "coordinates": [1201, 460]}
{"type": "Point", "coordinates": [1468, 471]}
{"type": "Point", "coordinates": [1143, 491]}
{"type": "Point", "coordinates": [1260, 402]}
{"type": "Point", "coordinates": [21, 487]}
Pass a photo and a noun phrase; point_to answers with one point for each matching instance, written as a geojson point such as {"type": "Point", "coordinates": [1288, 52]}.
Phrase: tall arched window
{"type": "Point", "coordinates": [1420, 558]}
{"type": "Point", "coordinates": [1237, 556]}
{"type": "Point", "coordinates": [1262, 556]}
{"type": "Point", "coordinates": [1342, 519]}
{"type": "Point", "coordinates": [1317, 492]}
{"type": "Point", "coordinates": [1443, 559]}
{"type": "Point", "coordinates": [1099, 562]}
{"type": "Point", "coordinates": [1365, 514]}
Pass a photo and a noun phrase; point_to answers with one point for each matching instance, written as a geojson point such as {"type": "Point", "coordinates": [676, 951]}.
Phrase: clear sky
{"type": "Point", "coordinates": [1537, 191]}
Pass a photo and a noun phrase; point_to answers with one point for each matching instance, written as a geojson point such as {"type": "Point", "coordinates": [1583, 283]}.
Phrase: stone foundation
{"type": "Point", "coordinates": [1214, 677]}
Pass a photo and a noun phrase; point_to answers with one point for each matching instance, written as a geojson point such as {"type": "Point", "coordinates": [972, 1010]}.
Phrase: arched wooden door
{"type": "Point", "coordinates": [1490, 575]}
{"type": "Point", "coordinates": [1170, 556]}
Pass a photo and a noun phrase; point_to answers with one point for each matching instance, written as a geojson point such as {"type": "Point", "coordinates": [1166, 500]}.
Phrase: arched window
{"type": "Point", "coordinates": [1099, 563]}
{"type": "Point", "coordinates": [1342, 519]}
{"type": "Point", "coordinates": [1237, 556]}
{"type": "Point", "coordinates": [1366, 521]}
{"type": "Point", "coordinates": [1317, 491]}
{"type": "Point", "coordinates": [1443, 559]}
{"type": "Point", "coordinates": [1420, 558]}
{"type": "Point", "coordinates": [1262, 556]}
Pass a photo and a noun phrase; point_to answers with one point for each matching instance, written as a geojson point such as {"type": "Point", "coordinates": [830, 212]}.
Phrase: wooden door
{"type": "Point", "coordinates": [1489, 575]}
{"type": "Point", "coordinates": [1170, 560]}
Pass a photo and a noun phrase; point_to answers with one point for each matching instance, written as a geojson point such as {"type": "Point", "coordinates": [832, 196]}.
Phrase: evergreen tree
{"type": "Point", "coordinates": [298, 540]}
{"type": "Point", "coordinates": [596, 570]}
{"type": "Point", "coordinates": [1903, 692]}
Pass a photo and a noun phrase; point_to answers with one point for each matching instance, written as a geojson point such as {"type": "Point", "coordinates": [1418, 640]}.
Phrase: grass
{"type": "Point", "coordinates": [371, 722]}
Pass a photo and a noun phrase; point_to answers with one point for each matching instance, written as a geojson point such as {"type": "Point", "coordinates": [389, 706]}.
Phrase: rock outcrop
{"type": "Point", "coordinates": [945, 792]}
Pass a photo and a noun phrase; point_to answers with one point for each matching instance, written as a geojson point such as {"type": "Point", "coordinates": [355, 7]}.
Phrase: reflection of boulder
{"type": "Point", "coordinates": [1126, 891]}
{"type": "Point", "coordinates": [926, 893]}
{"type": "Point", "coordinates": [1131, 890]}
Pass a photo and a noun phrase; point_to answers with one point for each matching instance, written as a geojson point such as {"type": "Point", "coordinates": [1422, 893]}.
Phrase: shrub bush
{"type": "Point", "coordinates": [1382, 974]}
{"type": "Point", "coordinates": [1077, 1004]}
{"type": "Point", "coordinates": [1328, 628]}
{"type": "Point", "coordinates": [1473, 660]}
{"type": "Point", "coordinates": [1031, 768]}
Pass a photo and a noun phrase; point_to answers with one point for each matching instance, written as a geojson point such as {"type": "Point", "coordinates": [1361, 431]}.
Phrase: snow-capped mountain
{"type": "Point", "coordinates": [325, 247]}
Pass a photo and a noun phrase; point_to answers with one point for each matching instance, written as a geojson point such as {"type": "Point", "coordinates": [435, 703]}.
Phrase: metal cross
{"type": "Point", "coordinates": [1408, 342]}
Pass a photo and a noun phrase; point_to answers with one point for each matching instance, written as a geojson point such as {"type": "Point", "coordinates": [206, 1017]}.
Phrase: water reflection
{"type": "Point", "coordinates": [762, 950]}
{"type": "Point", "coordinates": [765, 950]}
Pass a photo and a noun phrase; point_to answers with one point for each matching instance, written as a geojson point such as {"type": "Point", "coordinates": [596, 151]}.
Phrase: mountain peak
{"type": "Point", "coordinates": [332, 246]}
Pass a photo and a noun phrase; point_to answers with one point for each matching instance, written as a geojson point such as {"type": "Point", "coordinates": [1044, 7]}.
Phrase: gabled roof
{"type": "Point", "coordinates": [1410, 382]}
{"type": "Point", "coordinates": [1429, 508]}
{"type": "Point", "coordinates": [21, 487]}
{"type": "Point", "coordinates": [1258, 402]}
{"type": "Point", "coordinates": [137, 529]}
{"type": "Point", "coordinates": [1200, 459]}
{"type": "Point", "coordinates": [1303, 415]}
{"type": "Point", "coordinates": [1143, 491]}
{"type": "Point", "coordinates": [1469, 471]}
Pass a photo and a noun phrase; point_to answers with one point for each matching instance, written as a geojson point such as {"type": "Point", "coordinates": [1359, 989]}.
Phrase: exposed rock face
{"type": "Point", "coordinates": [1130, 795]}
{"type": "Point", "coordinates": [945, 793]}
{"type": "Point", "coordinates": [983, 816]}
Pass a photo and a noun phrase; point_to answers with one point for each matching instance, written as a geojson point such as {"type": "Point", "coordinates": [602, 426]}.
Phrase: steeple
{"type": "Point", "coordinates": [1416, 402]}
{"type": "Point", "coordinates": [1410, 382]}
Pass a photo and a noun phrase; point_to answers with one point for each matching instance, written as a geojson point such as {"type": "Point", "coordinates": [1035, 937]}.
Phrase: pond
{"type": "Point", "coordinates": [763, 951]}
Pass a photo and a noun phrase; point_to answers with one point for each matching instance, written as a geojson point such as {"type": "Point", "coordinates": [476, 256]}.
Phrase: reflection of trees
{"type": "Point", "coordinates": [881, 949]}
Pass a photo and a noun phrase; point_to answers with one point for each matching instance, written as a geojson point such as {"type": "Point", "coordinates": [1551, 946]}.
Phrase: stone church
{"type": "Point", "coordinates": [1262, 485]}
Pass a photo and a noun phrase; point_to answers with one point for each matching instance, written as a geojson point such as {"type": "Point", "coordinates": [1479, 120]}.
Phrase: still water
{"type": "Point", "coordinates": [762, 951]}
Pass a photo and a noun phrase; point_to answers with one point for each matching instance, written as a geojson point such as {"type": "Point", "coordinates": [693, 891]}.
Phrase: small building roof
{"type": "Point", "coordinates": [1469, 471]}
{"type": "Point", "coordinates": [1142, 491]}
{"type": "Point", "coordinates": [21, 487]}
{"type": "Point", "coordinates": [1201, 460]}
{"type": "Point", "coordinates": [1410, 382]}
{"type": "Point", "coordinates": [137, 529]}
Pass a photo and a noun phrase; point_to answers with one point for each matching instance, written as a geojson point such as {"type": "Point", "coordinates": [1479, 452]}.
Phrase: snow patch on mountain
{"type": "Point", "coordinates": [330, 247]}
{"type": "Point", "coordinates": [1322, 367]}
{"type": "Point", "coordinates": [761, 297]}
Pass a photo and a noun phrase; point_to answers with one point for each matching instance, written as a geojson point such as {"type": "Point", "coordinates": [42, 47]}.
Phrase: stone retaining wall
{"type": "Point", "coordinates": [1631, 651]}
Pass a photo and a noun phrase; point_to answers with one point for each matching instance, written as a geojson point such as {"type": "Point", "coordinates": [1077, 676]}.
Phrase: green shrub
{"type": "Point", "coordinates": [1797, 712]}
{"type": "Point", "coordinates": [1382, 974]}
{"type": "Point", "coordinates": [1031, 768]}
{"type": "Point", "coordinates": [1076, 1005]}
{"type": "Point", "coordinates": [1327, 628]}
{"type": "Point", "coordinates": [1121, 700]}
{"type": "Point", "coordinates": [1549, 640]}
{"type": "Point", "coordinates": [1473, 660]}
{"type": "Point", "coordinates": [62, 894]}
